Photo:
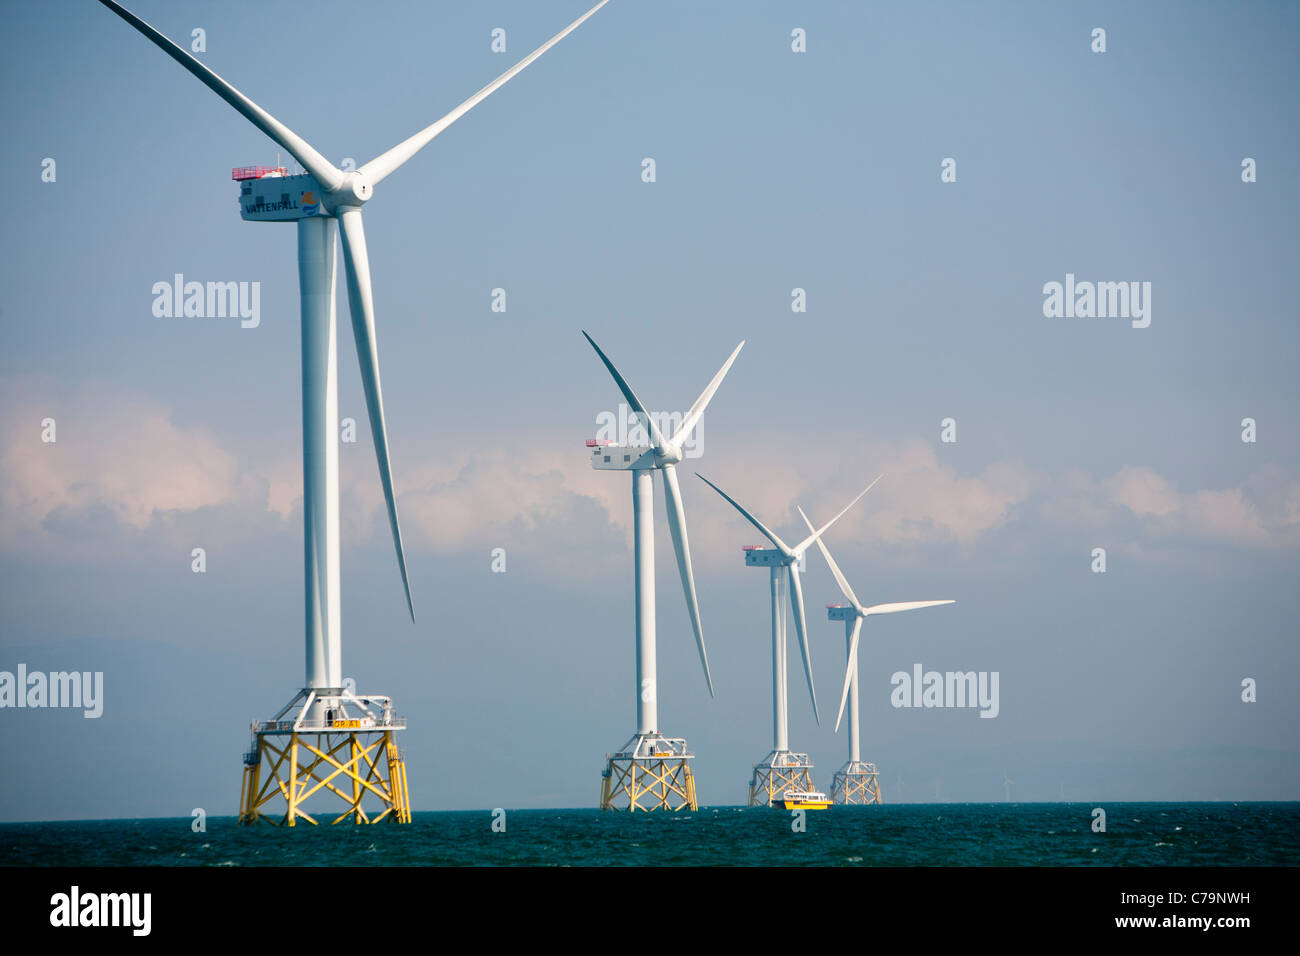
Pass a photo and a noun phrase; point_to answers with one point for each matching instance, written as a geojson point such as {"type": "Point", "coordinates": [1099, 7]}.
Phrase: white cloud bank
{"type": "Point", "coordinates": [112, 450]}
{"type": "Point", "coordinates": [123, 455]}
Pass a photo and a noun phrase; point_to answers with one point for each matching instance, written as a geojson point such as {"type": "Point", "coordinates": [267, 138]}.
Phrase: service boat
{"type": "Point", "coordinates": [805, 800]}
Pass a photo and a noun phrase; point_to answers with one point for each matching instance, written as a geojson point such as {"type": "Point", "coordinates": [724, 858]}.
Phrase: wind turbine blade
{"type": "Point", "coordinates": [357, 266]}
{"type": "Point", "coordinates": [383, 164]}
{"type": "Point", "coordinates": [322, 169]}
{"type": "Point", "coordinates": [677, 525]}
{"type": "Point", "coordinates": [647, 422]}
{"type": "Point", "coordinates": [752, 520]}
{"type": "Point", "coordinates": [819, 532]}
{"type": "Point", "coordinates": [701, 403]}
{"type": "Point", "coordinates": [901, 606]}
{"type": "Point", "coordinates": [796, 592]}
{"type": "Point", "coordinates": [835, 568]}
{"type": "Point", "coordinates": [857, 629]}
{"type": "Point", "coordinates": [849, 671]}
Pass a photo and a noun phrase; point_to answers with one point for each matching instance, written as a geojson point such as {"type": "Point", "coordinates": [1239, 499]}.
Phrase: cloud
{"type": "Point", "coordinates": [1143, 492]}
{"type": "Point", "coordinates": [923, 500]}
{"type": "Point", "coordinates": [918, 501]}
{"type": "Point", "coordinates": [490, 499]}
{"type": "Point", "coordinates": [1265, 512]}
{"type": "Point", "coordinates": [123, 467]}
{"type": "Point", "coordinates": [118, 458]}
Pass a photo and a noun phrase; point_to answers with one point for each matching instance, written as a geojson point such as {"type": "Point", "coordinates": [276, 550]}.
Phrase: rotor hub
{"type": "Point", "coordinates": [355, 190]}
{"type": "Point", "coordinates": [671, 455]}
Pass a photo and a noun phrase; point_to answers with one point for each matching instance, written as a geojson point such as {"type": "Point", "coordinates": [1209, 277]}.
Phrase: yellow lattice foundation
{"type": "Point", "coordinates": [326, 741]}
{"type": "Point", "coordinates": [779, 772]}
{"type": "Point", "coordinates": [856, 783]}
{"type": "Point", "coordinates": [295, 767]}
{"type": "Point", "coordinates": [649, 773]}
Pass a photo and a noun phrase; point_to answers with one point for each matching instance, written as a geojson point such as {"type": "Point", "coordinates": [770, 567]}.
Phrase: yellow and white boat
{"type": "Point", "coordinates": [805, 800]}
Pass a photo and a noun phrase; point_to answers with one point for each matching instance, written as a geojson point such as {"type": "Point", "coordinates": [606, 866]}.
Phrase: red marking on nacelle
{"type": "Point", "coordinates": [598, 442]}
{"type": "Point", "coordinates": [256, 172]}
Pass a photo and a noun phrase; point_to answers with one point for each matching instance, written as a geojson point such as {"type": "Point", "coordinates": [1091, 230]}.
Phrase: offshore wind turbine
{"type": "Point", "coordinates": [651, 771]}
{"type": "Point", "coordinates": [782, 769]}
{"type": "Point", "coordinates": [856, 781]}
{"type": "Point", "coordinates": [326, 201]}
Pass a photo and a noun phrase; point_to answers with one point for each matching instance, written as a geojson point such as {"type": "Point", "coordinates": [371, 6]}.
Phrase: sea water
{"type": "Point", "coordinates": [967, 834]}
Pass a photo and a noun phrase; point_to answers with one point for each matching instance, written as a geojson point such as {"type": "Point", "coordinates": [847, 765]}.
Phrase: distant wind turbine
{"type": "Point", "coordinates": [856, 781]}
{"type": "Point", "coordinates": [782, 555]}
{"type": "Point", "coordinates": [853, 627]}
{"type": "Point", "coordinates": [637, 771]}
{"type": "Point", "coordinates": [783, 768]}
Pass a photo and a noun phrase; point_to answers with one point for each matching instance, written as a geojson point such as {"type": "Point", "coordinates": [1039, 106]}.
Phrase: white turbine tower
{"type": "Point", "coordinates": [782, 769]}
{"type": "Point", "coordinates": [651, 771]}
{"type": "Point", "coordinates": [326, 200]}
{"type": "Point", "coordinates": [856, 781]}
{"type": "Point", "coordinates": [1006, 784]}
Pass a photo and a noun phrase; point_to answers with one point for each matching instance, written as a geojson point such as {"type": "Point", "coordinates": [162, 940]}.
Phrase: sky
{"type": "Point", "coordinates": [775, 170]}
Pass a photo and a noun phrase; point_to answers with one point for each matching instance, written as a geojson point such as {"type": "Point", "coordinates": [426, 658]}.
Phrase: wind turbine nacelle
{"type": "Point", "coordinates": [608, 456]}
{"type": "Point", "coordinates": [758, 557]}
{"type": "Point", "coordinates": [841, 612]}
{"type": "Point", "coordinates": [267, 195]}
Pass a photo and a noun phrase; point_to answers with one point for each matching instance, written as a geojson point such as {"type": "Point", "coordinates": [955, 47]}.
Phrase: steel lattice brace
{"type": "Point", "coordinates": [779, 772]}
{"type": "Point", "coordinates": [650, 772]}
{"type": "Point", "coordinates": [352, 766]}
{"type": "Point", "coordinates": [856, 783]}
